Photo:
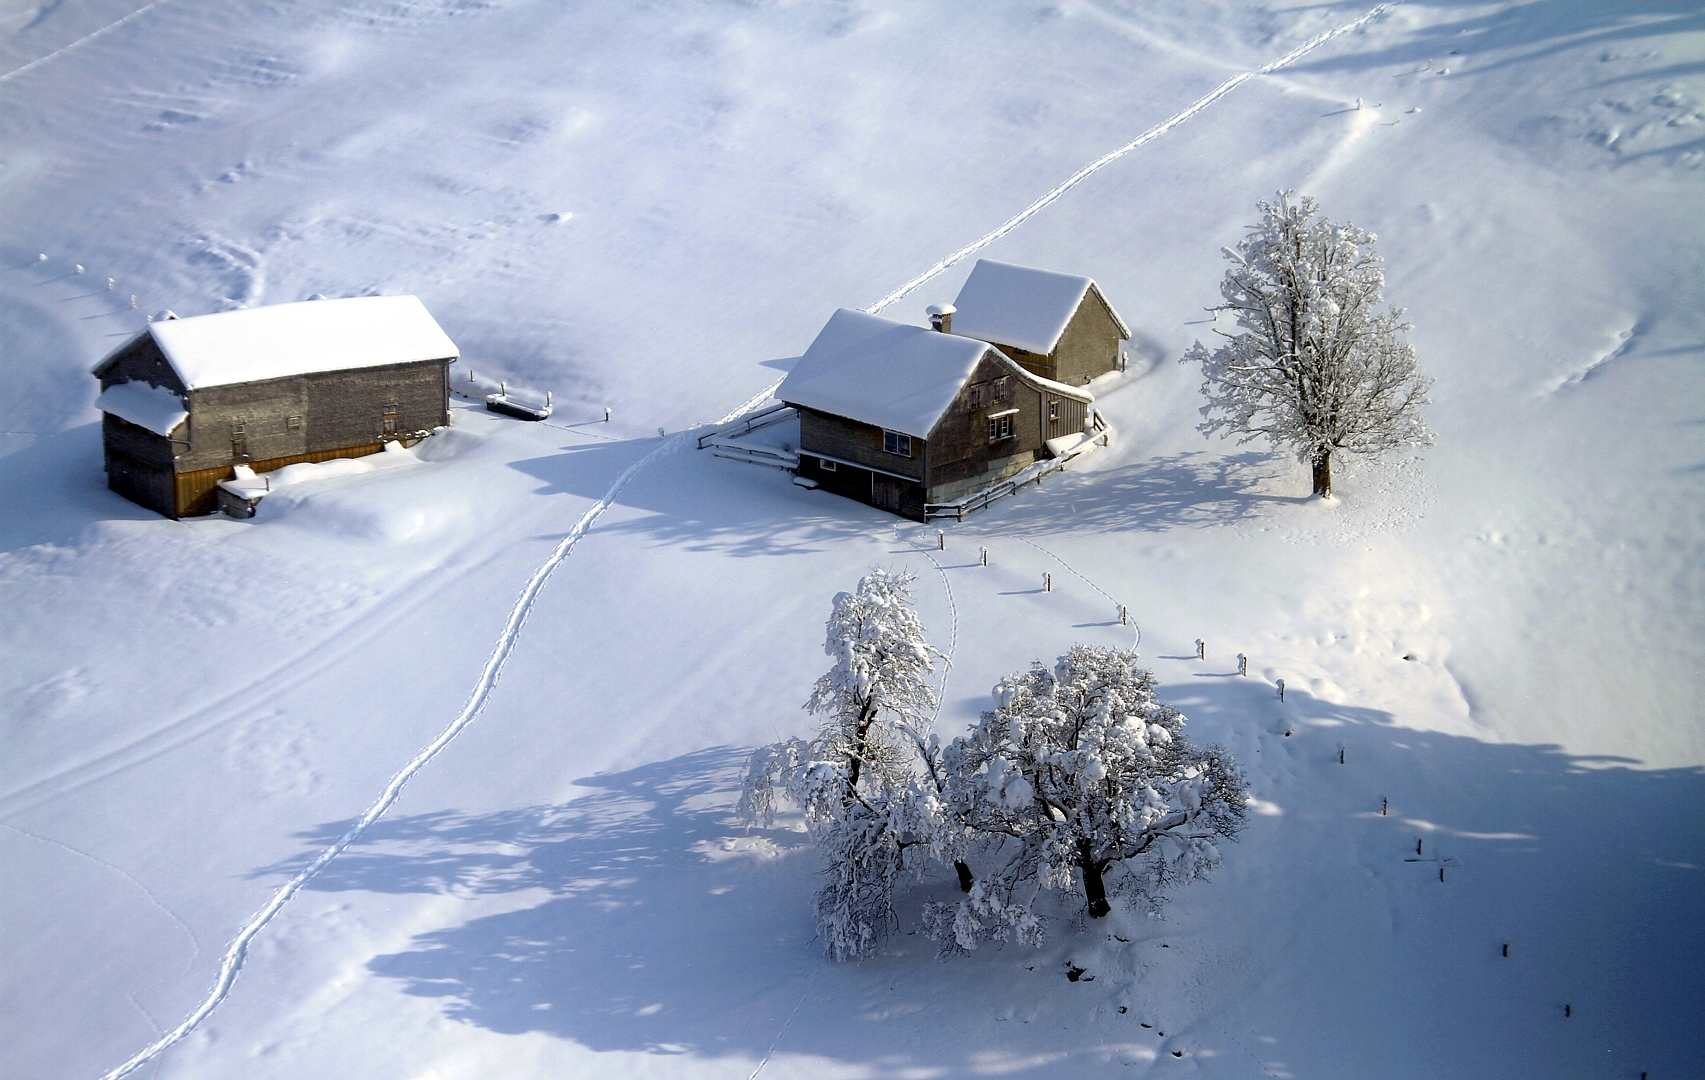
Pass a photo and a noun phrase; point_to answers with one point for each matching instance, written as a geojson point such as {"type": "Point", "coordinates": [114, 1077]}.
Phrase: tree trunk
{"type": "Point", "coordinates": [1094, 888]}
{"type": "Point", "coordinates": [1323, 474]}
{"type": "Point", "coordinates": [965, 879]}
{"type": "Point", "coordinates": [866, 714]}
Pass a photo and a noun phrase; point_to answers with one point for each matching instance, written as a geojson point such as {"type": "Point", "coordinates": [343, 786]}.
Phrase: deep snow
{"type": "Point", "coordinates": [639, 208]}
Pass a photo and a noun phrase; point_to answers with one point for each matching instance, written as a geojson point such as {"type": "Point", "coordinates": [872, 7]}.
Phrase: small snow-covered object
{"type": "Point", "coordinates": [154, 408]}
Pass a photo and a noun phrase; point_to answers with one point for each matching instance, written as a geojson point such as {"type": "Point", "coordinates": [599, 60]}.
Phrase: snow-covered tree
{"type": "Point", "coordinates": [869, 783]}
{"type": "Point", "coordinates": [1313, 366]}
{"type": "Point", "coordinates": [1079, 778]}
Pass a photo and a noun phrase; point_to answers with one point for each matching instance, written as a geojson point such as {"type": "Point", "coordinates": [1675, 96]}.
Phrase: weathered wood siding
{"type": "Point", "coordinates": [962, 457]}
{"type": "Point", "coordinates": [1089, 346]}
{"type": "Point", "coordinates": [305, 414]}
{"type": "Point", "coordinates": [140, 361]}
{"type": "Point", "coordinates": [266, 424]}
{"type": "Point", "coordinates": [850, 440]}
{"type": "Point", "coordinates": [141, 483]}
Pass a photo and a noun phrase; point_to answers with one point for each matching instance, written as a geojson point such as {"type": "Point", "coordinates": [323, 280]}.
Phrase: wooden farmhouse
{"type": "Point", "coordinates": [187, 399]}
{"type": "Point", "coordinates": [1058, 326]}
{"type": "Point", "coordinates": [902, 417]}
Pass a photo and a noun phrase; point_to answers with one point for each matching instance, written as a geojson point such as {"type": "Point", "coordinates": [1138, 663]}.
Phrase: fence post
{"type": "Point", "coordinates": [1122, 621]}
{"type": "Point", "coordinates": [985, 552]}
{"type": "Point", "coordinates": [606, 414]}
{"type": "Point", "coordinates": [1281, 689]}
{"type": "Point", "coordinates": [1242, 664]}
{"type": "Point", "coordinates": [940, 540]}
{"type": "Point", "coordinates": [1201, 649]}
{"type": "Point", "coordinates": [1047, 582]}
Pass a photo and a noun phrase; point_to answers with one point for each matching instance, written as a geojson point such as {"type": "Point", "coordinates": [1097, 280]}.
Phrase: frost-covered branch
{"type": "Point", "coordinates": [1313, 365]}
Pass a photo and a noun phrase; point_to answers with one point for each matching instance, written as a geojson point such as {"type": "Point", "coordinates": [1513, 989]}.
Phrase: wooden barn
{"type": "Point", "coordinates": [1058, 326]}
{"type": "Point", "coordinates": [902, 417]}
{"type": "Point", "coordinates": [187, 399]}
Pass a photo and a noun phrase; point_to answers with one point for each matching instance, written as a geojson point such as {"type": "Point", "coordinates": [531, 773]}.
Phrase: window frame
{"type": "Point", "coordinates": [897, 443]}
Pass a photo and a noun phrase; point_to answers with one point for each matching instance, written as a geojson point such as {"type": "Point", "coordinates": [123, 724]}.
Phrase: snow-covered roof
{"type": "Point", "coordinates": [1021, 306]}
{"type": "Point", "coordinates": [881, 372]}
{"type": "Point", "coordinates": [252, 344]}
{"type": "Point", "coordinates": [892, 374]}
{"type": "Point", "coordinates": [153, 407]}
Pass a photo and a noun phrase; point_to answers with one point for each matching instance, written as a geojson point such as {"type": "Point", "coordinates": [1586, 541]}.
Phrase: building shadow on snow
{"type": "Point", "coordinates": [700, 502]}
{"type": "Point", "coordinates": [56, 488]}
{"type": "Point", "coordinates": [659, 926]}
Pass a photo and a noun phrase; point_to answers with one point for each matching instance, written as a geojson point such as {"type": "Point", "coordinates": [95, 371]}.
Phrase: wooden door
{"type": "Point", "coordinates": [885, 493]}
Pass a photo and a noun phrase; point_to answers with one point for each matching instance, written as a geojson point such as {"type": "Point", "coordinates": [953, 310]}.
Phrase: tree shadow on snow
{"type": "Point", "coordinates": [1528, 32]}
{"type": "Point", "coordinates": [1194, 489]}
{"type": "Point", "coordinates": [662, 928]}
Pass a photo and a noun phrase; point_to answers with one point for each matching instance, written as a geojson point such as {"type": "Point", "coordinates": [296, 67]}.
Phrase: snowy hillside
{"type": "Point", "coordinates": [648, 207]}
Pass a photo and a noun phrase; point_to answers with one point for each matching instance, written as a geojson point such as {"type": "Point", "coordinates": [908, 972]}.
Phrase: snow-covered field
{"type": "Point", "coordinates": [643, 207]}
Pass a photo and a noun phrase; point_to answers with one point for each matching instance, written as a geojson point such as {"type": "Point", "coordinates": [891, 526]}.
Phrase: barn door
{"type": "Point", "coordinates": [885, 493]}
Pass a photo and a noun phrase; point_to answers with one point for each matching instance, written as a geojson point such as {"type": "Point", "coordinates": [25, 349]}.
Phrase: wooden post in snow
{"type": "Point", "coordinates": [1201, 649]}
{"type": "Point", "coordinates": [1047, 582]}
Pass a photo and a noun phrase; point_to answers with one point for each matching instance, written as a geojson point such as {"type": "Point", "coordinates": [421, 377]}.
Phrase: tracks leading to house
{"type": "Point", "coordinates": [236, 952]}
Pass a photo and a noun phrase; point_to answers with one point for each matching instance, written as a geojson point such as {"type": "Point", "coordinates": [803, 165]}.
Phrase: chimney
{"type": "Point", "coordinates": [941, 317]}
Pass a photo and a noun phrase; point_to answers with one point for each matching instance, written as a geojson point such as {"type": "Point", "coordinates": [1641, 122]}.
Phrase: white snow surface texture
{"type": "Point", "coordinates": [1019, 305]}
{"type": "Point", "coordinates": [1477, 846]}
{"type": "Point", "coordinates": [153, 407]}
{"type": "Point", "coordinates": [280, 340]}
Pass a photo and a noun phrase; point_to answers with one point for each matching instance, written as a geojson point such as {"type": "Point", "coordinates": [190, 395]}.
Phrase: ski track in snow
{"type": "Point", "coordinates": [237, 952]}
{"type": "Point", "coordinates": [194, 945]}
{"type": "Point", "coordinates": [803, 994]}
{"type": "Point", "coordinates": [84, 40]}
{"type": "Point", "coordinates": [1114, 155]}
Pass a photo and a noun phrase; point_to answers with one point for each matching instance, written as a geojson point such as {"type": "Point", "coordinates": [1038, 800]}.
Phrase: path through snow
{"type": "Point", "coordinates": [237, 952]}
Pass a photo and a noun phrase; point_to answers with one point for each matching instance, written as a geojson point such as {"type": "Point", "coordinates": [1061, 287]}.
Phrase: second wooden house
{"type": "Point", "coordinates": [187, 399]}
{"type": "Point", "coordinates": [902, 417]}
{"type": "Point", "coordinates": [1058, 326]}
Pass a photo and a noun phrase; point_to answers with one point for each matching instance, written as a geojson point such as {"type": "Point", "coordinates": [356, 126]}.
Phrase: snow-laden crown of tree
{"type": "Point", "coordinates": [1315, 365]}
{"type": "Point", "coordinates": [1078, 770]}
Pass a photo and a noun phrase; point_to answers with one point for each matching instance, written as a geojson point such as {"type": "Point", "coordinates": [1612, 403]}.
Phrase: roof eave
{"type": "Point", "coordinates": [1124, 331]}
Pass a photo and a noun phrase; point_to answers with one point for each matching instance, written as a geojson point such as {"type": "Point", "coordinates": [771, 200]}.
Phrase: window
{"type": "Point", "coordinates": [826, 465]}
{"type": "Point", "coordinates": [1003, 387]}
{"type": "Point", "coordinates": [895, 443]}
{"type": "Point", "coordinates": [390, 420]}
{"type": "Point", "coordinates": [974, 397]}
{"type": "Point", "coordinates": [1053, 410]}
{"type": "Point", "coordinates": [1000, 427]}
{"type": "Point", "coordinates": [293, 423]}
